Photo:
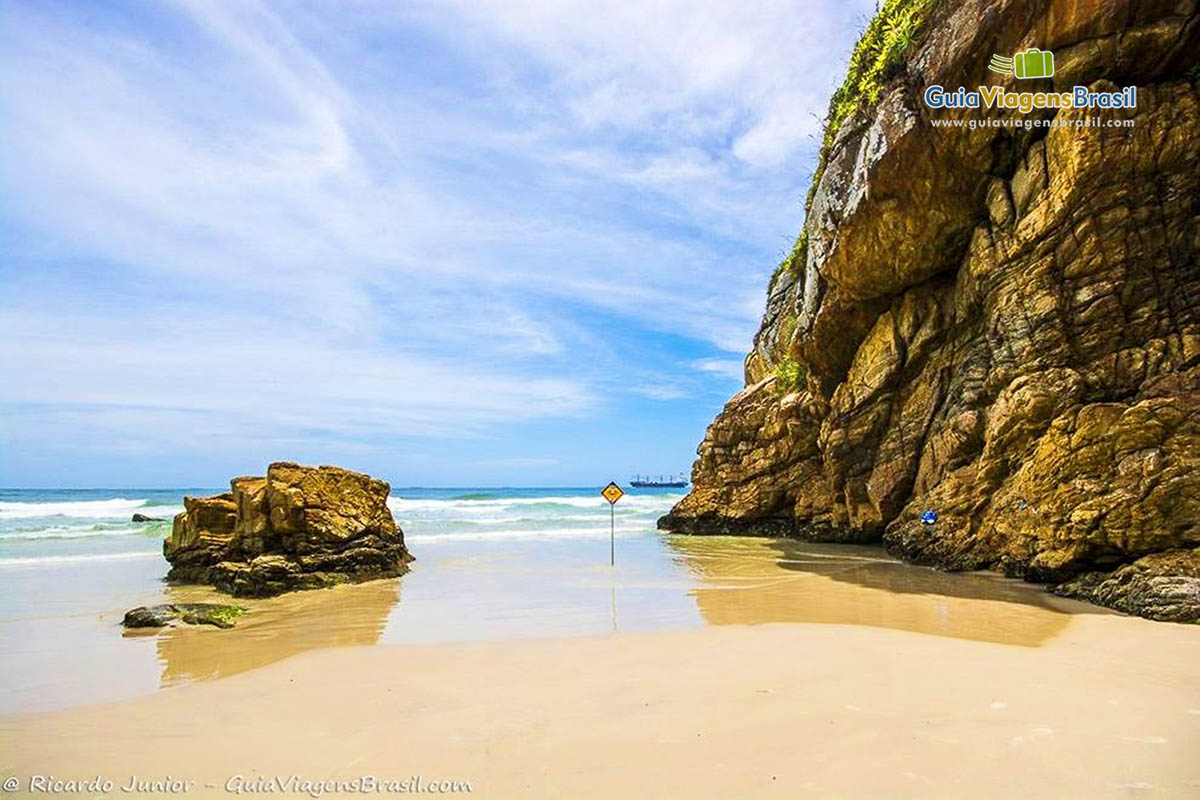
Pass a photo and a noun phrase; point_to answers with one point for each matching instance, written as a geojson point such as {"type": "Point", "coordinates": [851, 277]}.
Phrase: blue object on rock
{"type": "Point", "coordinates": [928, 517]}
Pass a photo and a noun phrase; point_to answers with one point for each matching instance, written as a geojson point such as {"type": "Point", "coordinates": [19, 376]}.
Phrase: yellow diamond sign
{"type": "Point", "coordinates": [612, 493]}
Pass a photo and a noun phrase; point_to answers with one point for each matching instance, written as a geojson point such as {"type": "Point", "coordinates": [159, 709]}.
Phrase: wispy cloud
{"type": "Point", "coordinates": [757, 78]}
{"type": "Point", "coordinates": [393, 220]}
{"type": "Point", "coordinates": [724, 367]}
{"type": "Point", "coordinates": [659, 392]}
{"type": "Point", "coordinates": [517, 462]}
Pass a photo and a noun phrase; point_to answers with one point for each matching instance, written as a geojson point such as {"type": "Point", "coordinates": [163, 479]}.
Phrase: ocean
{"type": "Point", "coordinates": [43, 527]}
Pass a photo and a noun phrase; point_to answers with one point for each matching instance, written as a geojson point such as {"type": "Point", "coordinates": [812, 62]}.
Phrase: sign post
{"type": "Point", "coordinates": [612, 493]}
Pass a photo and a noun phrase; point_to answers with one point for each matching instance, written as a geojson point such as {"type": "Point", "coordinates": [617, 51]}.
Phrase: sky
{"type": "Point", "coordinates": [477, 243]}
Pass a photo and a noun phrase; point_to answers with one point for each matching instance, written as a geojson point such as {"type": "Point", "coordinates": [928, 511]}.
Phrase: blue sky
{"type": "Point", "coordinates": [447, 243]}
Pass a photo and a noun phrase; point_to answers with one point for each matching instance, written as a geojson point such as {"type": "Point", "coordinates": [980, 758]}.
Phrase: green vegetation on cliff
{"type": "Point", "coordinates": [876, 59]}
{"type": "Point", "coordinates": [789, 376]}
{"type": "Point", "coordinates": [794, 260]}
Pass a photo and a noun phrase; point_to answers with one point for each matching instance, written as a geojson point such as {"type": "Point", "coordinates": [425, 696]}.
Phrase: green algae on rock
{"type": "Point", "coordinates": [216, 614]}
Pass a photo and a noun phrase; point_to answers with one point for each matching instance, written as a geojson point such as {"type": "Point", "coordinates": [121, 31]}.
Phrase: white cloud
{"type": "Point", "coordinates": [518, 462]}
{"type": "Point", "coordinates": [254, 386]}
{"type": "Point", "coordinates": [659, 391]}
{"type": "Point", "coordinates": [726, 368]}
{"type": "Point", "coordinates": [683, 68]}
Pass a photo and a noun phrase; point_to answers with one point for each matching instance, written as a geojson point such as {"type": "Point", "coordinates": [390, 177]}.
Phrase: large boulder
{"type": "Point", "coordinates": [297, 528]}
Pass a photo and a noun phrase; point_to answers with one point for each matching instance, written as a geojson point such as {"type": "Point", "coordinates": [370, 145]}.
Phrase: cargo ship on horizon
{"type": "Point", "coordinates": [669, 482]}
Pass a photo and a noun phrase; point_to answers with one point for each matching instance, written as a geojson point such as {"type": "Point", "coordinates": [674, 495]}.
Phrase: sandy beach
{"type": "Point", "coordinates": [1109, 708]}
{"type": "Point", "coordinates": [702, 667]}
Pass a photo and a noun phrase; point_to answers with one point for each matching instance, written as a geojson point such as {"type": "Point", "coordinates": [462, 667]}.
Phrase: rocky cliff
{"type": "Point", "coordinates": [297, 528]}
{"type": "Point", "coordinates": [996, 324]}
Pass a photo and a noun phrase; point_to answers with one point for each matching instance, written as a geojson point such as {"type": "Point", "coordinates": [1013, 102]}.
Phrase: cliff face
{"type": "Point", "coordinates": [1001, 325]}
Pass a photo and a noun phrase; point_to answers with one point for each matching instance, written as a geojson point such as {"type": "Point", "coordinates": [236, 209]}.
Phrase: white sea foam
{"type": "Point", "coordinates": [482, 506]}
{"type": "Point", "coordinates": [75, 532]}
{"type": "Point", "coordinates": [521, 518]}
{"type": "Point", "coordinates": [30, 526]}
{"type": "Point", "coordinates": [116, 508]}
{"type": "Point", "coordinates": [593, 531]}
{"type": "Point", "coordinates": [50, 561]}
{"type": "Point", "coordinates": [490, 516]}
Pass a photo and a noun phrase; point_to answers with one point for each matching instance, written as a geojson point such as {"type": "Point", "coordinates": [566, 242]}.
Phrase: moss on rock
{"type": "Point", "coordinates": [218, 615]}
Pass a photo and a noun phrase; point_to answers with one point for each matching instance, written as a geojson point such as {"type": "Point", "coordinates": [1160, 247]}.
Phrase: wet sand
{"type": "Point", "coordinates": [64, 646]}
{"type": "Point", "coordinates": [1109, 708]}
{"type": "Point", "coordinates": [749, 581]}
{"type": "Point", "coordinates": [697, 668]}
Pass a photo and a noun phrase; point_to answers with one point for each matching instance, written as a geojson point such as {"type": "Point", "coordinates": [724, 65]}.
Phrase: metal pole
{"type": "Point", "coordinates": [612, 535]}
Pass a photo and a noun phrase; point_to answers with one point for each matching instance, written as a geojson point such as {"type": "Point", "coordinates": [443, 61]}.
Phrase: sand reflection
{"type": "Point", "coordinates": [276, 628]}
{"type": "Point", "coordinates": [751, 581]}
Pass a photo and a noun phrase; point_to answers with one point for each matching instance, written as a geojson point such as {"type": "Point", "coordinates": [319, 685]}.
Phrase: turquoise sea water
{"type": "Point", "coordinates": [44, 527]}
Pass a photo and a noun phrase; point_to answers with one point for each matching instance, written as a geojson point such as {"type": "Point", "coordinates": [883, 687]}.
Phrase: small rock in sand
{"type": "Point", "coordinates": [221, 616]}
